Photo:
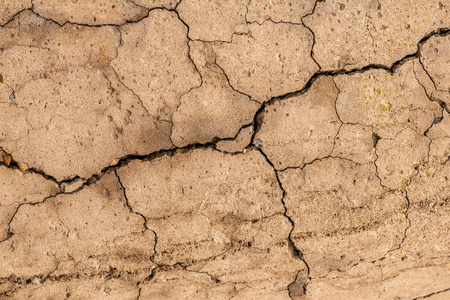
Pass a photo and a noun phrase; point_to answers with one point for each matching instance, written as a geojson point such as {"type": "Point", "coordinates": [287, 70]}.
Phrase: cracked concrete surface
{"type": "Point", "coordinates": [245, 149]}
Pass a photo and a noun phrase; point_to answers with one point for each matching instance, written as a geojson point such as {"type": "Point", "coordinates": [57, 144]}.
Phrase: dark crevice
{"type": "Point", "coordinates": [13, 164]}
{"type": "Point", "coordinates": [430, 96]}
{"type": "Point", "coordinates": [312, 32]}
{"type": "Point", "coordinates": [32, 9]}
{"type": "Point", "coordinates": [257, 120]}
{"type": "Point", "coordinates": [256, 123]}
{"type": "Point", "coordinates": [296, 253]}
{"type": "Point", "coordinates": [432, 294]}
{"type": "Point", "coordinates": [130, 209]}
{"type": "Point", "coordinates": [9, 233]}
{"type": "Point", "coordinates": [14, 17]}
{"type": "Point", "coordinates": [127, 203]}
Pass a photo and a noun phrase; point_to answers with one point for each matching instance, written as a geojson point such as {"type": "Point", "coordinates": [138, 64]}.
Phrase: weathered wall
{"type": "Point", "coordinates": [242, 149]}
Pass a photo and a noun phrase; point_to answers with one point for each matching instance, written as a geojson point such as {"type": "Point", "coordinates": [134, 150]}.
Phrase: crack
{"type": "Point", "coordinates": [246, 12]}
{"type": "Point", "coordinates": [229, 83]}
{"type": "Point", "coordinates": [215, 41]}
{"type": "Point", "coordinates": [195, 67]}
{"type": "Point", "coordinates": [340, 270]}
{"type": "Point", "coordinates": [432, 294]}
{"type": "Point", "coordinates": [130, 208]}
{"type": "Point", "coordinates": [127, 203]}
{"type": "Point", "coordinates": [13, 164]}
{"type": "Point", "coordinates": [229, 139]}
{"type": "Point", "coordinates": [275, 22]}
{"type": "Point", "coordinates": [296, 253]}
{"type": "Point", "coordinates": [406, 213]}
{"type": "Point", "coordinates": [407, 179]}
{"type": "Point", "coordinates": [120, 24]}
{"type": "Point", "coordinates": [430, 96]}
{"type": "Point", "coordinates": [312, 32]}
{"type": "Point", "coordinates": [426, 71]}
{"type": "Point", "coordinates": [175, 266]}
{"type": "Point", "coordinates": [257, 120]}
{"type": "Point", "coordinates": [129, 89]}
{"type": "Point", "coordinates": [9, 233]}
{"type": "Point", "coordinates": [391, 70]}
{"type": "Point", "coordinates": [14, 17]}
{"type": "Point", "coordinates": [145, 15]}
{"type": "Point", "coordinates": [419, 56]}
{"type": "Point", "coordinates": [176, 6]}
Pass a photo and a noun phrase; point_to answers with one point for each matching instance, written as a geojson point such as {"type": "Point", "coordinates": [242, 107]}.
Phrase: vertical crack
{"type": "Point", "coordinates": [296, 253]}
{"type": "Point", "coordinates": [312, 32]}
{"type": "Point", "coordinates": [137, 213]}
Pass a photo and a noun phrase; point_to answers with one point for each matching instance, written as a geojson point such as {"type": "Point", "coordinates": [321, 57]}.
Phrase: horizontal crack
{"type": "Point", "coordinates": [432, 294]}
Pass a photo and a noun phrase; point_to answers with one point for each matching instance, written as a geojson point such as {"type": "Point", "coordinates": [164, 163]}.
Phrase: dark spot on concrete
{"type": "Point", "coordinates": [375, 138]}
{"type": "Point", "coordinates": [258, 143]}
{"type": "Point", "coordinates": [298, 288]}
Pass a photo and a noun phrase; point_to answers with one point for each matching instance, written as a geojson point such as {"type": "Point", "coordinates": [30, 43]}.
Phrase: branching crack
{"type": "Point", "coordinates": [294, 250]}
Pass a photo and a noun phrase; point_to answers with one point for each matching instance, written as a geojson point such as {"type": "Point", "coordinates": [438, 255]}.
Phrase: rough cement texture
{"type": "Point", "coordinates": [243, 149]}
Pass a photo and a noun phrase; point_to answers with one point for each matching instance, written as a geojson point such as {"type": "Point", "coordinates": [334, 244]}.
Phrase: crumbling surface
{"type": "Point", "coordinates": [245, 149]}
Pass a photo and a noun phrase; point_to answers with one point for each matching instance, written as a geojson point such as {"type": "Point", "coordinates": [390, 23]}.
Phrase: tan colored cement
{"type": "Point", "coordinates": [347, 210]}
{"type": "Point", "coordinates": [265, 63]}
{"type": "Point", "coordinates": [245, 149]}
{"type": "Point", "coordinates": [372, 32]}
{"type": "Point", "coordinates": [386, 102]}
{"type": "Point", "coordinates": [239, 143]}
{"type": "Point", "coordinates": [89, 12]}
{"type": "Point", "coordinates": [301, 129]}
{"type": "Point", "coordinates": [223, 20]}
{"type": "Point", "coordinates": [213, 110]}
{"type": "Point", "coordinates": [289, 11]}
{"type": "Point", "coordinates": [356, 143]}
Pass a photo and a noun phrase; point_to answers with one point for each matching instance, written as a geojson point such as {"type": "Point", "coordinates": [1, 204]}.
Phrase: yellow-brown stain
{"type": "Point", "coordinates": [6, 159]}
{"type": "Point", "coordinates": [22, 166]}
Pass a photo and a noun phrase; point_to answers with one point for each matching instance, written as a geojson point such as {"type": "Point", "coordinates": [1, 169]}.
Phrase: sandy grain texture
{"type": "Point", "coordinates": [206, 149]}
